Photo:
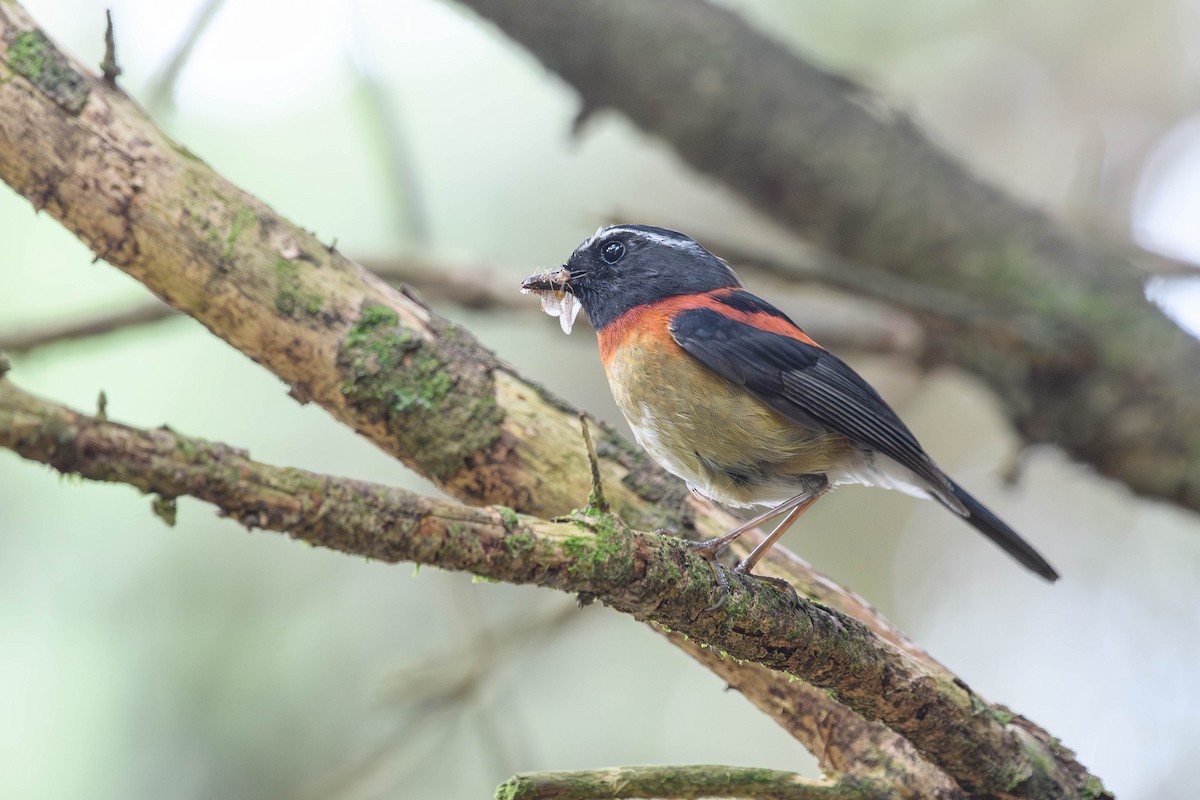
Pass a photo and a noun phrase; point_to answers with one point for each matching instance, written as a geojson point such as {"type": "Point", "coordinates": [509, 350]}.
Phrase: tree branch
{"type": "Point", "coordinates": [1105, 376]}
{"type": "Point", "coordinates": [685, 783]}
{"type": "Point", "coordinates": [426, 391]}
{"type": "Point", "coordinates": [651, 577]}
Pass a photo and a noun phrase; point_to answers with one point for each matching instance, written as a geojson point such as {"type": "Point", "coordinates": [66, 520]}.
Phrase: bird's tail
{"type": "Point", "coordinates": [992, 527]}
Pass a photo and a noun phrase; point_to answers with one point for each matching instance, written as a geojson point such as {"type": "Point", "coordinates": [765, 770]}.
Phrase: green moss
{"type": "Point", "coordinates": [518, 544]}
{"type": "Point", "coordinates": [507, 516]}
{"type": "Point", "coordinates": [241, 219]}
{"type": "Point", "coordinates": [291, 300]}
{"type": "Point", "coordinates": [165, 509]}
{"type": "Point", "coordinates": [27, 54]}
{"type": "Point", "coordinates": [373, 317]}
{"type": "Point", "coordinates": [1093, 788]}
{"type": "Point", "coordinates": [512, 789]}
{"type": "Point", "coordinates": [187, 449]}
{"type": "Point", "coordinates": [738, 603]}
{"type": "Point", "coordinates": [33, 56]}
{"type": "Point", "coordinates": [1001, 715]}
{"type": "Point", "coordinates": [578, 547]}
{"type": "Point", "coordinates": [441, 416]}
{"type": "Point", "coordinates": [672, 572]}
{"type": "Point", "coordinates": [606, 555]}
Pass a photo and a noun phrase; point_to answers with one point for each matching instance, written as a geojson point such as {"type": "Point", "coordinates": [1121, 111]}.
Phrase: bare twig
{"type": "Point", "coordinates": [93, 325]}
{"type": "Point", "coordinates": [596, 495]}
{"type": "Point", "coordinates": [109, 69]}
{"type": "Point", "coordinates": [386, 122]}
{"type": "Point", "coordinates": [162, 86]}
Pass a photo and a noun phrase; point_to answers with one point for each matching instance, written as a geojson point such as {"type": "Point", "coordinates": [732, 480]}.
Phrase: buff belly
{"type": "Point", "coordinates": [726, 444]}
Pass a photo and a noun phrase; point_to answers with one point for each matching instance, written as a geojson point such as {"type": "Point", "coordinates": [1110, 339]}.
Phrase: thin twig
{"type": "Point", "coordinates": [596, 496]}
{"type": "Point", "coordinates": [162, 86]}
{"type": "Point", "coordinates": [93, 325]}
{"type": "Point", "coordinates": [386, 121]}
{"type": "Point", "coordinates": [109, 69]}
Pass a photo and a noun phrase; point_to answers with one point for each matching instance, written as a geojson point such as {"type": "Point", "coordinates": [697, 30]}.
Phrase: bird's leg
{"type": "Point", "coordinates": [710, 548]}
{"type": "Point", "coordinates": [747, 564]}
{"type": "Point", "coordinates": [743, 567]}
{"type": "Point", "coordinates": [766, 544]}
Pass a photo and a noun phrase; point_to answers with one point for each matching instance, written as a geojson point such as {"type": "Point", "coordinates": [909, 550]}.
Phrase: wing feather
{"type": "Point", "coordinates": [803, 382]}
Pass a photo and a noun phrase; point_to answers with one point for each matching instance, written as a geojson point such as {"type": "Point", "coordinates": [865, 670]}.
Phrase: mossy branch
{"type": "Point", "coordinates": [651, 577]}
{"type": "Point", "coordinates": [683, 783]}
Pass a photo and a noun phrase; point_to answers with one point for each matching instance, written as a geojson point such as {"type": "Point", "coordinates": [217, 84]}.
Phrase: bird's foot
{"type": "Point", "coordinates": [708, 551]}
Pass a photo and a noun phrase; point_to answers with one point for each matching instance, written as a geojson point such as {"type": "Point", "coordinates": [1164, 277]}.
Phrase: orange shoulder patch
{"type": "Point", "coordinates": [650, 322]}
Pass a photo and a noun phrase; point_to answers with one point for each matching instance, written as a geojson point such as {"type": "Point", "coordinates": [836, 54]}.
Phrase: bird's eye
{"type": "Point", "coordinates": [612, 252]}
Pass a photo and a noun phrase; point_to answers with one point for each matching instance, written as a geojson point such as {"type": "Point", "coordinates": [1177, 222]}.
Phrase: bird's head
{"type": "Point", "coordinates": [624, 266]}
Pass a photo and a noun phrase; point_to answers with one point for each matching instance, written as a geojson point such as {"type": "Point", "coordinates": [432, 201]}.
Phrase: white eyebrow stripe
{"type": "Point", "coordinates": [682, 242]}
{"type": "Point", "coordinates": [678, 243]}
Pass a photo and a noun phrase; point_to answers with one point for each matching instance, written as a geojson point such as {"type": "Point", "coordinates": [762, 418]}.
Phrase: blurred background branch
{"type": "Point", "coordinates": [840, 320]}
{"type": "Point", "coordinates": [836, 164]}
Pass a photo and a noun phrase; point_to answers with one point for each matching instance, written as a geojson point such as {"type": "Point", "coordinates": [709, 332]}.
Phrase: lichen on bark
{"type": "Point", "coordinates": [395, 374]}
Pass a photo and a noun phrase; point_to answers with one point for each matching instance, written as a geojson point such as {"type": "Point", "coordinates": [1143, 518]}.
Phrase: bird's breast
{"type": "Point", "coordinates": [705, 429]}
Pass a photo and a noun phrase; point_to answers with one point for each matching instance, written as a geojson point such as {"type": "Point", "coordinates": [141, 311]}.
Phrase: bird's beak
{"type": "Point", "coordinates": [556, 280]}
{"type": "Point", "coordinates": [558, 298]}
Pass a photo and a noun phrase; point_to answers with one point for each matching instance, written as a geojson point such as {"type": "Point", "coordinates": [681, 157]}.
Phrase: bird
{"type": "Point", "coordinates": [725, 391]}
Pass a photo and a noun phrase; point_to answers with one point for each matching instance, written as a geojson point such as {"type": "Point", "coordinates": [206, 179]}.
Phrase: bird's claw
{"type": "Point", "coordinates": [708, 552]}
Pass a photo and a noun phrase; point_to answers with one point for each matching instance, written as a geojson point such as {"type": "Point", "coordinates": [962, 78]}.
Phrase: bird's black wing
{"type": "Point", "coordinates": [750, 345]}
{"type": "Point", "coordinates": [798, 379]}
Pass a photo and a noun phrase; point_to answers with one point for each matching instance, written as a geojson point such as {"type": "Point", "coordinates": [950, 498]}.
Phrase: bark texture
{"type": "Point", "coordinates": [651, 577]}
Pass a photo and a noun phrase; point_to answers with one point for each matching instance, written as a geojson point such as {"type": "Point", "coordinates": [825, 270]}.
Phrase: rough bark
{"type": "Point", "coordinates": [652, 577]}
{"type": "Point", "coordinates": [1068, 341]}
{"type": "Point", "coordinates": [684, 783]}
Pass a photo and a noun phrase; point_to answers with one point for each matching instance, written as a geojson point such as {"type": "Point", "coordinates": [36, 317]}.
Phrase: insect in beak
{"type": "Point", "coordinates": [557, 299]}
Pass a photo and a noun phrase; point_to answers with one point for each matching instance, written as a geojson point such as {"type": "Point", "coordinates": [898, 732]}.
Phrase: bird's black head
{"type": "Point", "coordinates": [625, 266]}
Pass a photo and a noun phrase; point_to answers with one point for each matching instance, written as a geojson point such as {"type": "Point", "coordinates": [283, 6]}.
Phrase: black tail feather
{"type": "Point", "coordinates": [992, 527]}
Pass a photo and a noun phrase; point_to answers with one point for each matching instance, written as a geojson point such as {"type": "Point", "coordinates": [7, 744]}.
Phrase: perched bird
{"type": "Point", "coordinates": [723, 390]}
